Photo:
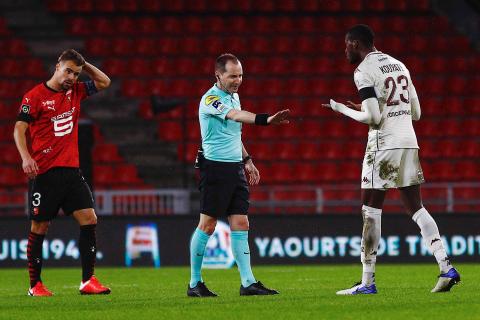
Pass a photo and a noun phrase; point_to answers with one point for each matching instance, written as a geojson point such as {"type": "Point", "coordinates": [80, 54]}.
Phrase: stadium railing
{"type": "Point", "coordinates": [447, 198]}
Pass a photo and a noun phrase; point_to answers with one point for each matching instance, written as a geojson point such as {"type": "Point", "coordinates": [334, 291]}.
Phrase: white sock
{"type": "Point", "coordinates": [372, 224]}
{"type": "Point", "coordinates": [431, 236]}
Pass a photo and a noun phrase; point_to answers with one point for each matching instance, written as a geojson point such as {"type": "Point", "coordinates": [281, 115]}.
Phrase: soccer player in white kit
{"type": "Point", "coordinates": [389, 104]}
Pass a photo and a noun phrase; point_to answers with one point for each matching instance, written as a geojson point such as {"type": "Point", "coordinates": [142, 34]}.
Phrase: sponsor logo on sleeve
{"type": "Point", "coordinates": [215, 102]}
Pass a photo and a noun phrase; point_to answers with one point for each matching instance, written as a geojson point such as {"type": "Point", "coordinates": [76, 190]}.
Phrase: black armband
{"type": "Point", "coordinates": [24, 117]}
{"type": "Point", "coordinates": [261, 119]}
{"type": "Point", "coordinates": [247, 158]}
{"type": "Point", "coordinates": [90, 87]}
{"type": "Point", "coordinates": [366, 93]}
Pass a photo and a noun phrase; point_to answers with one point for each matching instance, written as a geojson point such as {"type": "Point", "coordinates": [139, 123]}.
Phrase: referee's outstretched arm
{"type": "Point", "coordinates": [264, 119]}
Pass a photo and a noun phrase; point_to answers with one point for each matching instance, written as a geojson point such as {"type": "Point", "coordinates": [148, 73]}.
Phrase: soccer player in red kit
{"type": "Point", "coordinates": [50, 111]}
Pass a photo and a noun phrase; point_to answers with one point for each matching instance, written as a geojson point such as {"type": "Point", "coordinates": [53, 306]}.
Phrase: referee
{"type": "Point", "coordinates": [223, 185]}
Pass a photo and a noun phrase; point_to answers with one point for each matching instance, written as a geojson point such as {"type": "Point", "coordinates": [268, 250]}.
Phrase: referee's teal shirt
{"type": "Point", "coordinates": [221, 138]}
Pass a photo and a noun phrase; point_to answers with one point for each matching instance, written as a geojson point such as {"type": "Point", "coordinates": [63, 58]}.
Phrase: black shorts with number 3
{"type": "Point", "coordinates": [59, 187]}
{"type": "Point", "coordinates": [224, 189]}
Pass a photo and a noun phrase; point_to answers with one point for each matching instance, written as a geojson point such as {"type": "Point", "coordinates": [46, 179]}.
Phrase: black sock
{"type": "Point", "coordinates": [34, 256]}
{"type": "Point", "coordinates": [88, 250]}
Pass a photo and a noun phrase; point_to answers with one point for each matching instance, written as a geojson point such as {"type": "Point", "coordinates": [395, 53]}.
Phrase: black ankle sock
{"type": "Point", "coordinates": [88, 250]}
{"type": "Point", "coordinates": [34, 256]}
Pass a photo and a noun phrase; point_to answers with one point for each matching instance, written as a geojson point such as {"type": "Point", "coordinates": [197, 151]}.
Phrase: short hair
{"type": "Point", "coordinates": [72, 55]}
{"type": "Point", "coordinates": [362, 33]}
{"type": "Point", "coordinates": [222, 61]}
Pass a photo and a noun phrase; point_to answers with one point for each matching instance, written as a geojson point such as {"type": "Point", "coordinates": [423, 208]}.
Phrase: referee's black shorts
{"type": "Point", "coordinates": [59, 187]}
{"type": "Point", "coordinates": [224, 189]}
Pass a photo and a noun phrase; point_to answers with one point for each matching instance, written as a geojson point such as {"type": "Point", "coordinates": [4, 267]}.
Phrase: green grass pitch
{"type": "Point", "coordinates": [306, 292]}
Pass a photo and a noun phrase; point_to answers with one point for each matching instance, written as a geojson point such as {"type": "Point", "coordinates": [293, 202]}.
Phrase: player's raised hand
{"type": "Point", "coordinates": [30, 167]}
{"type": "Point", "coordinates": [280, 117]}
{"type": "Point", "coordinates": [353, 105]}
{"type": "Point", "coordinates": [333, 105]}
{"type": "Point", "coordinates": [253, 174]}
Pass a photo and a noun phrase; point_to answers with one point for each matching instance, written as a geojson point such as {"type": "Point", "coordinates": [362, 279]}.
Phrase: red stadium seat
{"type": "Point", "coordinates": [286, 151]}
{"type": "Point", "coordinates": [265, 6]}
{"type": "Point", "coordinates": [213, 45]}
{"type": "Point", "coordinates": [139, 67]}
{"type": "Point", "coordinates": [106, 6]}
{"type": "Point", "coordinates": [190, 154]}
{"type": "Point", "coordinates": [11, 177]}
{"type": "Point", "coordinates": [126, 174]}
{"type": "Point", "coordinates": [103, 25]}
{"type": "Point", "coordinates": [437, 64]}
{"type": "Point", "coordinates": [10, 155]}
{"type": "Point", "coordinates": [134, 88]}
{"type": "Point", "coordinates": [305, 172]}
{"type": "Point", "coordinates": [352, 5]}
{"type": "Point", "coordinates": [282, 173]}
{"type": "Point", "coordinates": [98, 46]}
{"type": "Point", "coordinates": [310, 151]}
{"type": "Point", "coordinates": [185, 66]}
{"type": "Point", "coordinates": [354, 149]}
{"type": "Point", "coordinates": [375, 5]}
{"type": "Point", "coordinates": [428, 149]}
{"type": "Point", "coordinates": [312, 128]}
{"type": "Point", "coordinates": [440, 170]}
{"type": "Point", "coordinates": [193, 131]}
{"type": "Point", "coordinates": [170, 131]}
{"type": "Point", "coordinates": [127, 5]}
{"type": "Point", "coordinates": [466, 170]}
{"type": "Point", "coordinates": [215, 25]}
{"type": "Point", "coordinates": [106, 153]}
{"type": "Point", "coordinates": [259, 45]}
{"type": "Point", "coordinates": [350, 171]}
{"type": "Point", "coordinates": [328, 172]}
{"type": "Point", "coordinates": [464, 199]}
{"type": "Point", "coordinates": [332, 150]}
{"type": "Point", "coordinates": [115, 67]}
{"type": "Point", "coordinates": [146, 47]}
{"type": "Point", "coordinates": [469, 149]}
{"type": "Point", "coordinates": [121, 46]}
{"type": "Point", "coordinates": [80, 26]}
{"type": "Point", "coordinates": [448, 149]}
{"type": "Point", "coordinates": [59, 6]}
{"type": "Point", "coordinates": [263, 151]}
{"type": "Point", "coordinates": [471, 127]}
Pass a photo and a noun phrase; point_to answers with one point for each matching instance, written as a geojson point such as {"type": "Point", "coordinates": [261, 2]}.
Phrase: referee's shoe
{"type": "Point", "coordinates": [256, 289]}
{"type": "Point", "coordinates": [200, 290]}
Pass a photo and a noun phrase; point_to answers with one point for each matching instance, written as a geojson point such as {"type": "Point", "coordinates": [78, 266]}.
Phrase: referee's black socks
{"type": "Point", "coordinates": [88, 250]}
{"type": "Point", "coordinates": [34, 256]}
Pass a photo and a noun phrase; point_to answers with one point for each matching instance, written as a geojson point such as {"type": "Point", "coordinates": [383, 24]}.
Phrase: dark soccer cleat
{"type": "Point", "coordinates": [200, 291]}
{"type": "Point", "coordinates": [447, 280]}
{"type": "Point", "coordinates": [256, 289]}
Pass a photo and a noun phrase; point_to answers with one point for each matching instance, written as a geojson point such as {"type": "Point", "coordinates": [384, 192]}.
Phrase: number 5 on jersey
{"type": "Point", "coordinates": [63, 127]}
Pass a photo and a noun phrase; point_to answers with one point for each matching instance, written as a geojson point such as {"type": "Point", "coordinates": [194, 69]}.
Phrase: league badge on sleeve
{"type": "Point", "coordinates": [25, 108]}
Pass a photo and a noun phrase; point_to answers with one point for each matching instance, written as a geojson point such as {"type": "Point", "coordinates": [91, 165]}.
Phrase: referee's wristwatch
{"type": "Point", "coordinates": [245, 160]}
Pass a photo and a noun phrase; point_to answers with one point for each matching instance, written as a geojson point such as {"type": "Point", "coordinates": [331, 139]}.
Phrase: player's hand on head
{"type": "Point", "coordinates": [30, 167]}
{"type": "Point", "coordinates": [280, 117]}
{"type": "Point", "coordinates": [253, 173]}
{"type": "Point", "coordinates": [353, 105]}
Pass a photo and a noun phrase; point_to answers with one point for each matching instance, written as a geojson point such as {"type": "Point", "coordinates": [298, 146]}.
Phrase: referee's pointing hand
{"type": "Point", "coordinates": [280, 117]}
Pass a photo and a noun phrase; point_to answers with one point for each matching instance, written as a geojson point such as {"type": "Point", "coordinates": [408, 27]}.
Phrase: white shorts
{"type": "Point", "coordinates": [394, 168]}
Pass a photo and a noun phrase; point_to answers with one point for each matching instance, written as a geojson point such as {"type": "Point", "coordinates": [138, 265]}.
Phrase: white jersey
{"type": "Point", "coordinates": [393, 87]}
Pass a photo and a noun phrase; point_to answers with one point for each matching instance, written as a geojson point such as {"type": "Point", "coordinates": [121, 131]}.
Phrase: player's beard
{"type": "Point", "coordinates": [67, 85]}
{"type": "Point", "coordinates": [354, 57]}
